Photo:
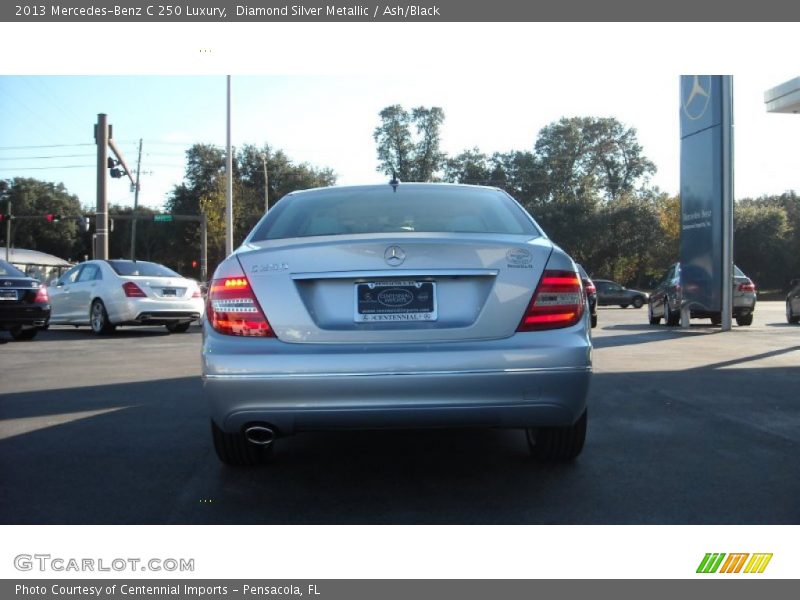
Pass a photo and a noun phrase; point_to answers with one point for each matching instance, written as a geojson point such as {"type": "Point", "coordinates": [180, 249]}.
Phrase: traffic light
{"type": "Point", "coordinates": [51, 218]}
{"type": "Point", "coordinates": [115, 172]}
{"type": "Point", "coordinates": [194, 264]}
{"type": "Point", "coordinates": [84, 223]}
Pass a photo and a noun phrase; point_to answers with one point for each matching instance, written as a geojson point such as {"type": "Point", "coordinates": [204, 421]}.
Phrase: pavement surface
{"type": "Point", "coordinates": [686, 426]}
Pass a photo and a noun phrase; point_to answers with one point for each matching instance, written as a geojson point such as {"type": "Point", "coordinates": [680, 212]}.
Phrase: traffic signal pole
{"type": "Point", "coordinates": [101, 215]}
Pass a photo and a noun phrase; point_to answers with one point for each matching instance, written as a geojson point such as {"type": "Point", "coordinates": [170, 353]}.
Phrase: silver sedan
{"type": "Point", "coordinates": [106, 293]}
{"type": "Point", "coordinates": [405, 305]}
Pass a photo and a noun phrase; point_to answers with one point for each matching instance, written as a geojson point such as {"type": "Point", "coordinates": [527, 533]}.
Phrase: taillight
{"type": "Point", "coordinates": [132, 290]}
{"type": "Point", "coordinates": [747, 287]}
{"type": "Point", "coordinates": [41, 296]}
{"type": "Point", "coordinates": [196, 294]}
{"type": "Point", "coordinates": [557, 302]}
{"type": "Point", "coordinates": [590, 289]}
{"type": "Point", "coordinates": [232, 309]}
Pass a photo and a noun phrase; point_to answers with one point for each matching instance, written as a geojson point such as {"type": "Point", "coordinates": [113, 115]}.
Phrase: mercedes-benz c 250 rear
{"type": "Point", "coordinates": [407, 305]}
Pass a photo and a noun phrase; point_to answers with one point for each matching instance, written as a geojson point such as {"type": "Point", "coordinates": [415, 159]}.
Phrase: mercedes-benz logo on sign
{"type": "Point", "coordinates": [696, 97]}
{"type": "Point", "coordinates": [394, 256]}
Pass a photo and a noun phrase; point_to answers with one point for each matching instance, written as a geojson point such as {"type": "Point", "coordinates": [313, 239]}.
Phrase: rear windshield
{"type": "Point", "coordinates": [380, 209]}
{"type": "Point", "coordinates": [126, 268]}
{"type": "Point", "coordinates": [9, 270]}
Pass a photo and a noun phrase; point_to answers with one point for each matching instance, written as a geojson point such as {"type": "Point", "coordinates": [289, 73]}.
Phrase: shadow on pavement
{"type": "Point", "coordinates": [710, 446]}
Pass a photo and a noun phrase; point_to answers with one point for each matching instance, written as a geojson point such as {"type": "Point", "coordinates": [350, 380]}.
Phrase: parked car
{"type": "Point", "coordinates": [667, 298]}
{"type": "Point", "coordinates": [591, 295]}
{"type": "Point", "coordinates": [611, 293]}
{"type": "Point", "coordinates": [793, 303]}
{"type": "Point", "coordinates": [401, 305]}
{"type": "Point", "coordinates": [24, 303]}
{"type": "Point", "coordinates": [106, 293]}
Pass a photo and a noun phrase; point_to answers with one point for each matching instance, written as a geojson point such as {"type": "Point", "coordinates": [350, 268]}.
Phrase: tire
{"type": "Point", "coordinates": [593, 320]}
{"type": "Point", "coordinates": [638, 302]}
{"type": "Point", "coordinates": [98, 319]}
{"type": "Point", "coordinates": [653, 320]}
{"type": "Point", "coordinates": [178, 327]}
{"type": "Point", "coordinates": [791, 319]}
{"type": "Point", "coordinates": [716, 320]}
{"type": "Point", "coordinates": [624, 305]}
{"type": "Point", "coordinates": [23, 335]}
{"type": "Point", "coordinates": [671, 319]}
{"type": "Point", "coordinates": [234, 449]}
{"type": "Point", "coordinates": [744, 320]}
{"type": "Point", "coordinates": [557, 443]}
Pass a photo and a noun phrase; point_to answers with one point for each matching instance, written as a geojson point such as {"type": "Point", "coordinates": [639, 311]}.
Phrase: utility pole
{"type": "Point", "coordinates": [204, 248]}
{"type": "Point", "coordinates": [229, 190]}
{"type": "Point", "coordinates": [101, 136]}
{"type": "Point", "coordinates": [136, 202]}
{"type": "Point", "coordinates": [266, 183]}
{"type": "Point", "coordinates": [8, 233]}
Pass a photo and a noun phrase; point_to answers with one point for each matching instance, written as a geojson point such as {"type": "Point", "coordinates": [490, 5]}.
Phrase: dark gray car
{"type": "Point", "coordinates": [666, 300]}
{"type": "Point", "coordinates": [610, 293]}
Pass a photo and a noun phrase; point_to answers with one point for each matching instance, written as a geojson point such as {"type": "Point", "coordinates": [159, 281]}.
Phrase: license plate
{"type": "Point", "coordinates": [169, 292]}
{"type": "Point", "coordinates": [388, 301]}
{"type": "Point", "coordinates": [8, 294]}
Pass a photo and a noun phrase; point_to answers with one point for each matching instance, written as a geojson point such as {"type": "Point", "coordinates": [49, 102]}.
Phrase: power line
{"type": "Point", "coordinates": [43, 168]}
{"type": "Point", "coordinates": [50, 146]}
{"type": "Point", "coordinates": [45, 157]}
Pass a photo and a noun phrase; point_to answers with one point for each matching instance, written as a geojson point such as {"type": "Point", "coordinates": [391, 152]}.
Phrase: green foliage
{"type": "Point", "coordinates": [31, 197]}
{"type": "Point", "coordinates": [204, 190]}
{"type": "Point", "coordinates": [410, 156]}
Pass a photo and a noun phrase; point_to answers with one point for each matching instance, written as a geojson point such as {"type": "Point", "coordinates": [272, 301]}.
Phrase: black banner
{"type": "Point", "coordinates": [439, 11]}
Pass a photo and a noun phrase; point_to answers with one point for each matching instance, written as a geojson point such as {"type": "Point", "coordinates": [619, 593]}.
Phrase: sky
{"type": "Point", "coordinates": [46, 121]}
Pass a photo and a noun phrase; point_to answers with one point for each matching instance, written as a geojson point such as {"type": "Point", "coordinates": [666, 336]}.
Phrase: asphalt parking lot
{"type": "Point", "coordinates": [690, 426]}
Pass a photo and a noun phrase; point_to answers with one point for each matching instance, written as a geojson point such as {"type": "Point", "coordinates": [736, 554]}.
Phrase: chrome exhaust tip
{"type": "Point", "coordinates": [259, 435]}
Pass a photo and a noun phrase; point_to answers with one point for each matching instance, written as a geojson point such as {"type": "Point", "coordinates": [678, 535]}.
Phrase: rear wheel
{"type": "Point", "coordinates": [790, 318]}
{"type": "Point", "coordinates": [23, 335]}
{"type": "Point", "coordinates": [234, 449]}
{"type": "Point", "coordinates": [624, 305]}
{"type": "Point", "coordinates": [671, 319]}
{"type": "Point", "coordinates": [98, 317]}
{"type": "Point", "coordinates": [557, 443]}
{"type": "Point", "coordinates": [594, 321]}
{"type": "Point", "coordinates": [178, 327]}
{"type": "Point", "coordinates": [638, 302]}
{"type": "Point", "coordinates": [653, 319]}
{"type": "Point", "coordinates": [744, 320]}
{"type": "Point", "coordinates": [716, 319]}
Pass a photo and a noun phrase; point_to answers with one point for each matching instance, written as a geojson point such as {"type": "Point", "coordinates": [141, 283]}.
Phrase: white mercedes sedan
{"type": "Point", "coordinates": [106, 293]}
{"type": "Point", "coordinates": [398, 305]}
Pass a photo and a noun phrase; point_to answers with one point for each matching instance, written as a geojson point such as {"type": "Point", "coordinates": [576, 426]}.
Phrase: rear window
{"type": "Point", "coordinates": [126, 268]}
{"type": "Point", "coordinates": [409, 209]}
{"type": "Point", "coordinates": [9, 270]}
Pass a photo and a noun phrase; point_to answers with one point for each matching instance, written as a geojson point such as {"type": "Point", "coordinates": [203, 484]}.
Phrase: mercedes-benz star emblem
{"type": "Point", "coordinates": [696, 97]}
{"type": "Point", "coordinates": [394, 256]}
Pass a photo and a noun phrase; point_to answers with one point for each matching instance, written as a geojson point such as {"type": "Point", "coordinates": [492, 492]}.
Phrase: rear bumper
{"type": "Point", "coordinates": [501, 383]}
{"type": "Point", "coordinates": [24, 316]}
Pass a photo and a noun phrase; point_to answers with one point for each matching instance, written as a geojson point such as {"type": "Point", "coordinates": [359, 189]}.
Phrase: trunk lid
{"type": "Point", "coordinates": [389, 288]}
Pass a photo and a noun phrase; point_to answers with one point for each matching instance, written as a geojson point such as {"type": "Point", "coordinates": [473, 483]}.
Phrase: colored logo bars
{"type": "Point", "coordinates": [733, 563]}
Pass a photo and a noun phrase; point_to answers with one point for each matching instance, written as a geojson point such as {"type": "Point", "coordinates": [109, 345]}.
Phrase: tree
{"type": "Point", "coordinates": [204, 190]}
{"type": "Point", "coordinates": [410, 157]}
{"type": "Point", "coordinates": [31, 197]}
{"type": "Point", "coordinates": [584, 155]}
